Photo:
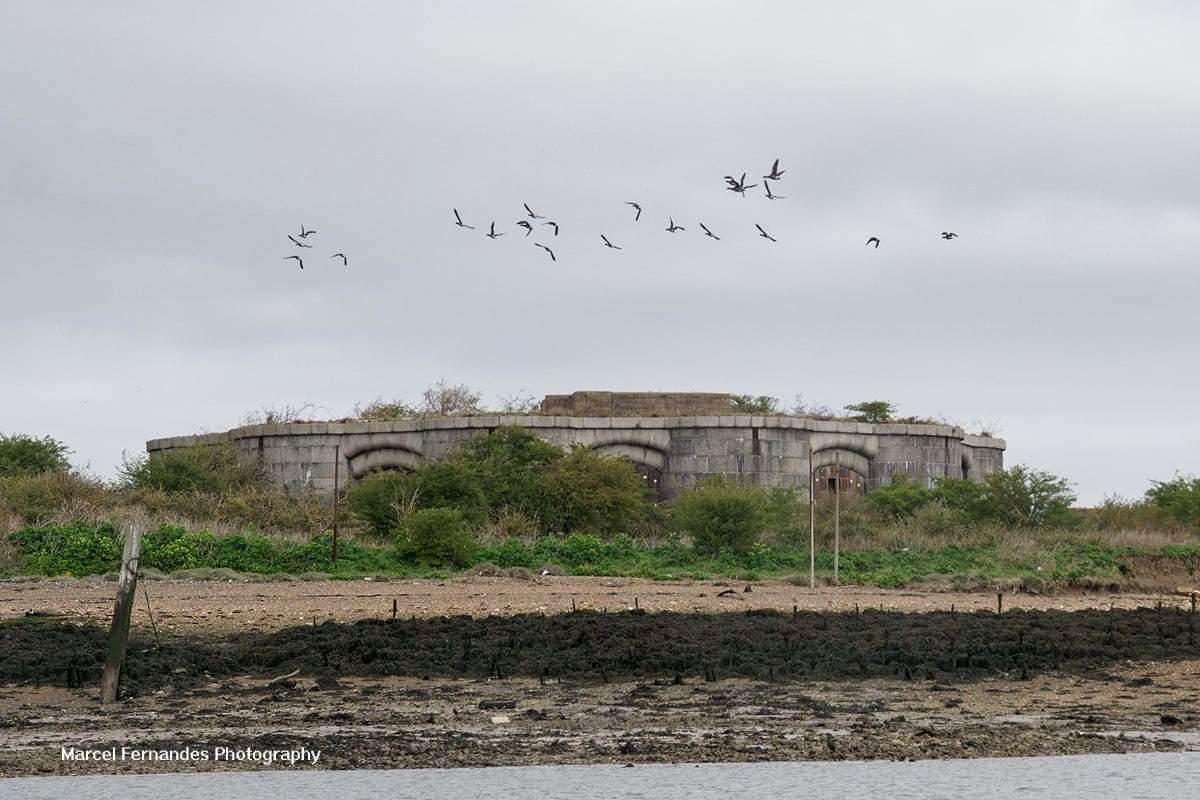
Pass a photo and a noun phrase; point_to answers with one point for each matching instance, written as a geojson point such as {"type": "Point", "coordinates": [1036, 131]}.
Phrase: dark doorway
{"type": "Point", "coordinates": [827, 480]}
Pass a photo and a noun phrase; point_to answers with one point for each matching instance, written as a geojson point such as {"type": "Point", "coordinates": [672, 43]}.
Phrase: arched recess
{"type": "Point", "coordinates": [648, 461]}
{"type": "Point", "coordinates": [839, 469]}
{"type": "Point", "coordinates": [389, 457]}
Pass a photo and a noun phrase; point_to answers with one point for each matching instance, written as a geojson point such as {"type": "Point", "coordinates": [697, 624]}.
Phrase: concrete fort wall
{"type": "Point", "coordinates": [762, 450]}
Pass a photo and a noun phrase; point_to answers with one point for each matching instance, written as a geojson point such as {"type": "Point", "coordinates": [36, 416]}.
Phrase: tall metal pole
{"type": "Point", "coordinates": [837, 523]}
{"type": "Point", "coordinates": [337, 468]}
{"type": "Point", "coordinates": [812, 527]}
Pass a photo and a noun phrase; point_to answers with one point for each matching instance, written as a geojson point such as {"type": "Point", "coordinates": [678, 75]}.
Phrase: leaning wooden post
{"type": "Point", "coordinates": [337, 468]}
{"type": "Point", "coordinates": [118, 638]}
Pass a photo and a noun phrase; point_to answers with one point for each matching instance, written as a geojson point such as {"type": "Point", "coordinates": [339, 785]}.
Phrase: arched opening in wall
{"type": "Point", "coordinates": [834, 478]}
{"type": "Point", "coordinates": [652, 477]}
{"type": "Point", "coordinates": [966, 469]}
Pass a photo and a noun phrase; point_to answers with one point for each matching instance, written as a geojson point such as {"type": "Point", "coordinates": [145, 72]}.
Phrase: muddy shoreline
{"type": "Point", "coordinates": [626, 685]}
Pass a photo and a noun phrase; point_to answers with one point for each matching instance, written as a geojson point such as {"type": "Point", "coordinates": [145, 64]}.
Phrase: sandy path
{"type": "Point", "coordinates": [227, 606]}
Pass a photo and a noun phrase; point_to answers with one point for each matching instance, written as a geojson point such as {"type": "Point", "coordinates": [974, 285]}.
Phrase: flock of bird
{"type": "Point", "coordinates": [304, 234]}
{"type": "Point", "coordinates": [737, 185]}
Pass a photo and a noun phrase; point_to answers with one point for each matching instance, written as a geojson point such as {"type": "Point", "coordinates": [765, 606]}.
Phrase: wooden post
{"type": "Point", "coordinates": [999, 602]}
{"type": "Point", "coordinates": [812, 524]}
{"type": "Point", "coordinates": [118, 637]}
{"type": "Point", "coordinates": [337, 468]}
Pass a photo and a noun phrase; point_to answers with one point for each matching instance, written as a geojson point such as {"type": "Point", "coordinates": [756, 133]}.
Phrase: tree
{"type": "Point", "coordinates": [28, 455]}
{"type": "Point", "coordinates": [1178, 498]}
{"type": "Point", "coordinates": [874, 411]}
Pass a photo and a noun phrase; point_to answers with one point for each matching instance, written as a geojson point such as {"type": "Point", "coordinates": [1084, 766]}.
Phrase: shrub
{"type": "Point", "coordinates": [171, 547]}
{"type": "Point", "coordinates": [786, 514]}
{"type": "Point", "coordinates": [380, 409]}
{"type": "Point", "coordinates": [1029, 498]}
{"type": "Point", "coordinates": [509, 463]}
{"type": "Point", "coordinates": [436, 536]}
{"type": "Point", "coordinates": [1018, 497]}
{"type": "Point", "coordinates": [41, 498]}
{"type": "Point", "coordinates": [876, 411]}
{"type": "Point", "coordinates": [900, 498]}
{"type": "Point", "coordinates": [28, 455]}
{"type": "Point", "coordinates": [721, 515]}
{"type": "Point", "coordinates": [754, 404]}
{"type": "Point", "coordinates": [969, 498]}
{"type": "Point", "coordinates": [380, 500]}
{"type": "Point", "coordinates": [203, 468]}
{"type": "Point", "coordinates": [75, 549]}
{"type": "Point", "coordinates": [1178, 498]}
{"type": "Point", "coordinates": [587, 491]}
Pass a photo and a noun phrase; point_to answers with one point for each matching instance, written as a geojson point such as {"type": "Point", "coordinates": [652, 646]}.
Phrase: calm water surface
{"type": "Point", "coordinates": [1129, 777]}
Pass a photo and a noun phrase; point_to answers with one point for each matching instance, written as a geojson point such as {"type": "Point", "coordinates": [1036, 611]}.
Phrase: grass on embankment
{"type": "Point", "coordinates": [973, 557]}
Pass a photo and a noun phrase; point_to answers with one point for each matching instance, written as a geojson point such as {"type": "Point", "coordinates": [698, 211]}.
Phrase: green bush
{"type": "Point", "coordinates": [199, 468]}
{"type": "Point", "coordinates": [1018, 497]}
{"type": "Point", "coordinates": [721, 516]}
{"type": "Point", "coordinates": [510, 464]}
{"type": "Point", "coordinates": [875, 411]}
{"type": "Point", "coordinates": [1178, 498]}
{"type": "Point", "coordinates": [380, 500]}
{"type": "Point", "coordinates": [899, 499]}
{"type": "Point", "coordinates": [383, 499]}
{"type": "Point", "coordinates": [76, 549]}
{"type": "Point", "coordinates": [786, 515]}
{"type": "Point", "coordinates": [29, 455]}
{"type": "Point", "coordinates": [587, 491]}
{"type": "Point", "coordinates": [436, 536]}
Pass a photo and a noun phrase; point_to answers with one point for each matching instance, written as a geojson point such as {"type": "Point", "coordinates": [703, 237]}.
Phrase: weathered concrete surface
{"type": "Point", "coordinates": [765, 451]}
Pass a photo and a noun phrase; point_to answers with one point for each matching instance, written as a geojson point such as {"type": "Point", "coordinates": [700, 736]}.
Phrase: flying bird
{"type": "Point", "coordinates": [673, 227]}
{"type": "Point", "coordinates": [525, 224]}
{"type": "Point", "coordinates": [491, 234]}
{"type": "Point", "coordinates": [776, 172]}
{"type": "Point", "coordinates": [297, 242]}
{"type": "Point", "coordinates": [555, 224]}
{"type": "Point", "coordinates": [637, 216]}
{"type": "Point", "coordinates": [304, 234]}
{"type": "Point", "coordinates": [739, 186]}
{"type": "Point", "coordinates": [709, 233]}
{"type": "Point", "coordinates": [770, 196]}
{"type": "Point", "coordinates": [949, 235]}
{"type": "Point", "coordinates": [298, 258]}
{"type": "Point", "coordinates": [607, 243]}
{"type": "Point", "coordinates": [763, 233]}
{"type": "Point", "coordinates": [531, 214]}
{"type": "Point", "coordinates": [547, 249]}
{"type": "Point", "coordinates": [342, 256]}
{"type": "Point", "coordinates": [458, 221]}
{"type": "Point", "coordinates": [875, 240]}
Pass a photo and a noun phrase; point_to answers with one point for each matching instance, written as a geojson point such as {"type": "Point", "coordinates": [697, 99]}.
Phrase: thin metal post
{"type": "Point", "coordinates": [812, 526]}
{"type": "Point", "coordinates": [837, 523]}
{"type": "Point", "coordinates": [337, 468]}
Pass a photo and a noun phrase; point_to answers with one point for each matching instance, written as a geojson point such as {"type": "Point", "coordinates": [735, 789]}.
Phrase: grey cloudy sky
{"type": "Point", "coordinates": [153, 159]}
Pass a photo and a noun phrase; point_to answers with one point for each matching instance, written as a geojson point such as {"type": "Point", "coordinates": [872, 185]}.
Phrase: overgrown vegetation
{"type": "Point", "coordinates": [510, 501]}
{"type": "Point", "coordinates": [28, 455]}
{"type": "Point", "coordinates": [509, 471]}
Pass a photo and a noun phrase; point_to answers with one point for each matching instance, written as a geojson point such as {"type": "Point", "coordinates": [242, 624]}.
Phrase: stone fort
{"type": "Point", "coordinates": [673, 439]}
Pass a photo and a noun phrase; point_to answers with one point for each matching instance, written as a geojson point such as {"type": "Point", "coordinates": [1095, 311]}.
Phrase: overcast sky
{"type": "Point", "coordinates": [153, 160]}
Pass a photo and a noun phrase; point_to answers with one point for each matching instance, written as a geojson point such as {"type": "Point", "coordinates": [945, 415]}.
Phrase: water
{"type": "Point", "coordinates": [1151, 776]}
